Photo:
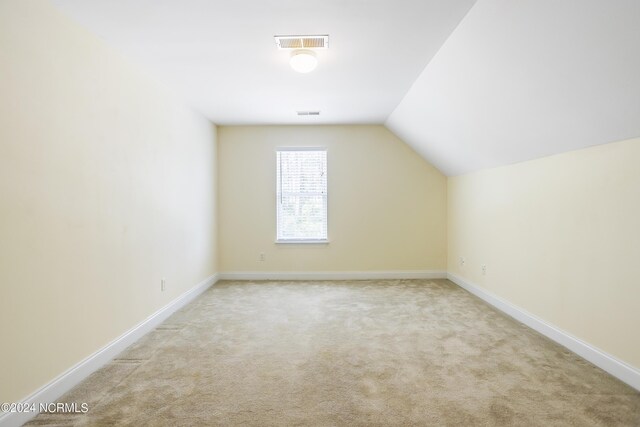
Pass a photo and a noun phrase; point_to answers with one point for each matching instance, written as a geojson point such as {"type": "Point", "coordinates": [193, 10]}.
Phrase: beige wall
{"type": "Point", "coordinates": [107, 184]}
{"type": "Point", "coordinates": [560, 238]}
{"type": "Point", "coordinates": [386, 204]}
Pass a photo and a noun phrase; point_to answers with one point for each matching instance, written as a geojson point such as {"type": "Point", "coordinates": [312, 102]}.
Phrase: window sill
{"type": "Point", "coordinates": [303, 242]}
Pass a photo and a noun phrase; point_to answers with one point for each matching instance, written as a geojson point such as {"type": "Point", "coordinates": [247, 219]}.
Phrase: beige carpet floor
{"type": "Point", "coordinates": [369, 353]}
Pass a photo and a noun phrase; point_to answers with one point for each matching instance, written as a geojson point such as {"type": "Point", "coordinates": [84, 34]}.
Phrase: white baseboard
{"type": "Point", "coordinates": [76, 374]}
{"type": "Point", "coordinates": [333, 275]}
{"type": "Point", "coordinates": [606, 362]}
{"type": "Point", "coordinates": [67, 380]}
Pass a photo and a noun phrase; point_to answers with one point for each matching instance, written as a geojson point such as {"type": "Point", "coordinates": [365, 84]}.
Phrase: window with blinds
{"type": "Point", "coordinates": [302, 194]}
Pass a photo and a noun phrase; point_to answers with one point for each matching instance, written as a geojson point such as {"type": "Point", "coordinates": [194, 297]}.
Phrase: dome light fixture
{"type": "Point", "coordinates": [303, 60]}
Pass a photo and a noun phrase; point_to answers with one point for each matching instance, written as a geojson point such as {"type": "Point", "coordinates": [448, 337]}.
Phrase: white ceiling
{"type": "Point", "coordinates": [221, 57]}
{"type": "Point", "coordinates": [515, 80]}
{"type": "Point", "coordinates": [524, 79]}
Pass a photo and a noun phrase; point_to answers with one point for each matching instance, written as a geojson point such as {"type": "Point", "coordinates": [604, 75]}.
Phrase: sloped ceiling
{"type": "Point", "coordinates": [468, 86]}
{"type": "Point", "coordinates": [220, 55]}
{"type": "Point", "coordinates": [523, 79]}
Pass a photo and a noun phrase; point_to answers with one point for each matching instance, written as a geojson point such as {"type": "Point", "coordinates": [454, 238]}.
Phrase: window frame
{"type": "Point", "coordinates": [304, 241]}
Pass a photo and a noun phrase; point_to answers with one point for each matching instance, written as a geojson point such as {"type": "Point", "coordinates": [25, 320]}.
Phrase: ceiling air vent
{"type": "Point", "coordinates": [302, 42]}
{"type": "Point", "coordinates": [308, 113]}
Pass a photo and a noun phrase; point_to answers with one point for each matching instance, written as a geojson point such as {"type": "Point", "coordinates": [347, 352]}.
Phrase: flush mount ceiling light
{"type": "Point", "coordinates": [303, 61]}
{"type": "Point", "coordinates": [303, 58]}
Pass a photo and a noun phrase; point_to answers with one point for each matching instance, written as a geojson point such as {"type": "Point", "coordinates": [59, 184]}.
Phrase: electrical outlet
{"type": "Point", "coordinates": [163, 284]}
{"type": "Point", "coordinates": [484, 269]}
{"type": "Point", "coordinates": [462, 261]}
{"type": "Point", "coordinates": [263, 257]}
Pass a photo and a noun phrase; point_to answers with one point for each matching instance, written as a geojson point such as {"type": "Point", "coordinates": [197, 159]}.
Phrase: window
{"type": "Point", "coordinates": [302, 195]}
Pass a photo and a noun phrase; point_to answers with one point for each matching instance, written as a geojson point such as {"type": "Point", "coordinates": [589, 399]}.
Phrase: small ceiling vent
{"type": "Point", "coordinates": [308, 113]}
{"type": "Point", "coordinates": [302, 42]}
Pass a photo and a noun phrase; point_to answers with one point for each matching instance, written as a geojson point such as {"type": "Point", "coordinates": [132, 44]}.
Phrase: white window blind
{"type": "Point", "coordinates": [302, 194]}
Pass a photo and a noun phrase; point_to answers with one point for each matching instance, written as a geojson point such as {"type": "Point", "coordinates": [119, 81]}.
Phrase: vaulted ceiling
{"type": "Point", "coordinates": [467, 84]}
{"type": "Point", "coordinates": [221, 55]}
{"type": "Point", "coordinates": [524, 79]}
